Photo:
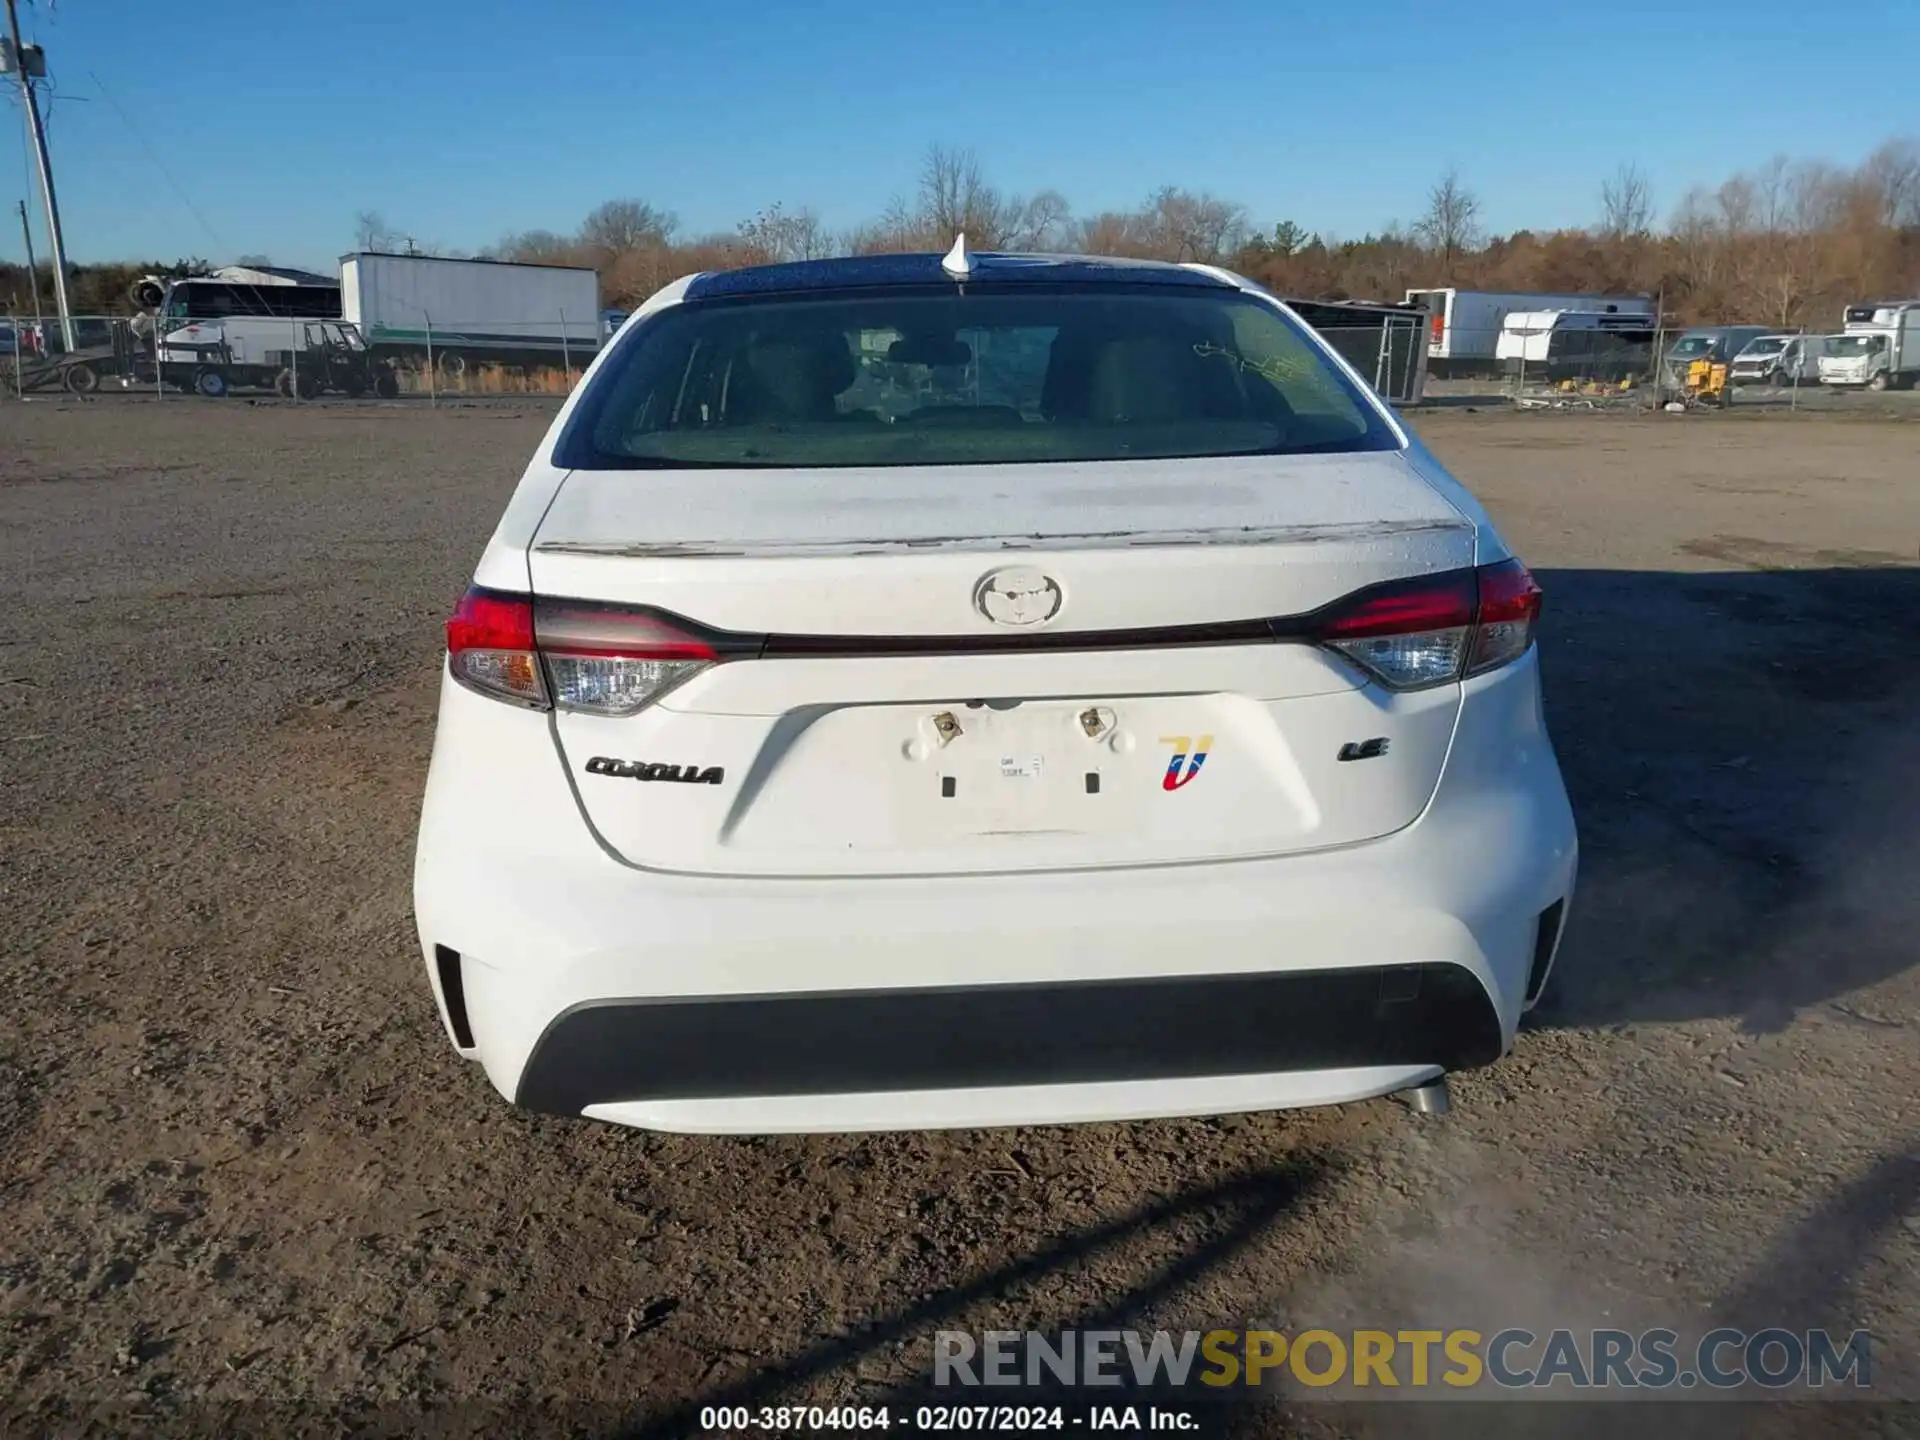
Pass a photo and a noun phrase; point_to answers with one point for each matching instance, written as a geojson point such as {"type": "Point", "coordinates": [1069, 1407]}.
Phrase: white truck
{"type": "Point", "coordinates": [1878, 347]}
{"type": "Point", "coordinates": [470, 312]}
{"type": "Point", "coordinates": [1463, 326]}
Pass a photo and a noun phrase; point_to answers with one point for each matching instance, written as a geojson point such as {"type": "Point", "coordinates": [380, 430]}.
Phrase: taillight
{"type": "Point", "coordinates": [556, 654]}
{"type": "Point", "coordinates": [490, 647]}
{"type": "Point", "coordinates": [1509, 608]}
{"type": "Point", "coordinates": [614, 662]}
{"type": "Point", "coordinates": [1411, 634]}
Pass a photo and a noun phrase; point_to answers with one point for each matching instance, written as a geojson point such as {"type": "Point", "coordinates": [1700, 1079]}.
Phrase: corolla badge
{"type": "Point", "coordinates": [1018, 595]}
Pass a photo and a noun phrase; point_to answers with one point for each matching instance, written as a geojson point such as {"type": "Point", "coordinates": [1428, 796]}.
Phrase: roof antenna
{"type": "Point", "coordinates": [958, 264]}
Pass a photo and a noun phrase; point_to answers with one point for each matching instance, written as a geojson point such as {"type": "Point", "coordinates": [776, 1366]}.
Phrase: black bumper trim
{"type": "Point", "coordinates": [1057, 1033]}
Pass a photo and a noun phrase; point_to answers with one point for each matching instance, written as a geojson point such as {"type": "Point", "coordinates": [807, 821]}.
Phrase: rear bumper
{"type": "Point", "coordinates": [712, 1004]}
{"type": "Point", "coordinates": [618, 1052]}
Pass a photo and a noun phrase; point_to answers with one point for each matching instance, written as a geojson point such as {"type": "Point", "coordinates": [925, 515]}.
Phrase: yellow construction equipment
{"type": "Point", "coordinates": [1706, 383]}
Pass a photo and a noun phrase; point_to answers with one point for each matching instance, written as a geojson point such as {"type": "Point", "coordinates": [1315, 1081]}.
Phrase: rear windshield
{"type": "Point", "coordinates": [988, 376]}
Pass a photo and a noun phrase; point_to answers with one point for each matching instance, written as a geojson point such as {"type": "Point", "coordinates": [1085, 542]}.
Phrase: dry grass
{"type": "Point", "coordinates": [492, 380]}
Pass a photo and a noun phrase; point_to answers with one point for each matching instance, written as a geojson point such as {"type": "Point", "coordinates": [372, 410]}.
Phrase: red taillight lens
{"type": "Point", "coordinates": [556, 654]}
{"type": "Point", "coordinates": [1509, 608]}
{"type": "Point", "coordinates": [490, 647]}
{"type": "Point", "coordinates": [1430, 602]}
{"type": "Point", "coordinates": [1412, 634]}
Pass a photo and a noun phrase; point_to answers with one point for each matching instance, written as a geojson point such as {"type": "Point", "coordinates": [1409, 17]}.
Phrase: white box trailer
{"type": "Point", "coordinates": [1463, 326]}
{"type": "Point", "coordinates": [470, 312]}
{"type": "Point", "coordinates": [1548, 345]}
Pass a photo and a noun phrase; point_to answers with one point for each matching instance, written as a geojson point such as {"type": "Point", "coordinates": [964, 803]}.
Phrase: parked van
{"type": "Point", "coordinates": [1718, 343]}
{"type": "Point", "coordinates": [1778, 360]}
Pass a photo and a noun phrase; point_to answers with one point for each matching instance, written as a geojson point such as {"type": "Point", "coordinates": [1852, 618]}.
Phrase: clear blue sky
{"type": "Point", "coordinates": [222, 128]}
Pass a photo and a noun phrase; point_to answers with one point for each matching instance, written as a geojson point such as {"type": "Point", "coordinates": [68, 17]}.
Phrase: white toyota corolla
{"type": "Point", "coordinates": [913, 691]}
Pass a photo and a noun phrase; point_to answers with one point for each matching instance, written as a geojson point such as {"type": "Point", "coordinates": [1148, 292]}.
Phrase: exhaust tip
{"type": "Point", "coordinates": [1432, 1098]}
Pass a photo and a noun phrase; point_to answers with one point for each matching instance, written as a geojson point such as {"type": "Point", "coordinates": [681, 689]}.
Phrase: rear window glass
{"type": "Point", "coordinates": [941, 377]}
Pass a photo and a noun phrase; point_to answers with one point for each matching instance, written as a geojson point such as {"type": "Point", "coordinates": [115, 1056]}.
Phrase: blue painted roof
{"type": "Point", "coordinates": [849, 272]}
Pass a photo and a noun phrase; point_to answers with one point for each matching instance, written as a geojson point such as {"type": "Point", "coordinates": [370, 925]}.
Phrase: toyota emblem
{"type": "Point", "coordinates": [1018, 595]}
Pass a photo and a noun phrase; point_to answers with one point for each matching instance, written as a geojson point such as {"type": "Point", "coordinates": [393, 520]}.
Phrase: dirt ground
{"type": "Point", "coordinates": [240, 1166]}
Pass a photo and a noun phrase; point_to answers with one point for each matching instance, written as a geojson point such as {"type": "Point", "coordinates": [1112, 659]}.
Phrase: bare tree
{"type": "Point", "coordinates": [1451, 224]}
{"type": "Point", "coordinates": [371, 232]}
{"type": "Point", "coordinates": [1817, 196]}
{"type": "Point", "coordinates": [956, 199]}
{"type": "Point", "coordinates": [1386, 264]}
{"type": "Point", "coordinates": [774, 235]}
{"type": "Point", "coordinates": [1772, 195]}
{"type": "Point", "coordinates": [255, 261]}
{"type": "Point", "coordinates": [1892, 176]}
{"type": "Point", "coordinates": [1626, 204]}
{"type": "Point", "coordinates": [896, 231]}
{"type": "Point", "coordinates": [1739, 206]}
{"type": "Point", "coordinates": [1042, 223]}
{"type": "Point", "coordinates": [1697, 235]}
{"type": "Point", "coordinates": [1114, 232]}
{"type": "Point", "coordinates": [536, 247]}
{"type": "Point", "coordinates": [620, 226]}
{"type": "Point", "coordinates": [1786, 241]}
{"type": "Point", "coordinates": [1200, 227]}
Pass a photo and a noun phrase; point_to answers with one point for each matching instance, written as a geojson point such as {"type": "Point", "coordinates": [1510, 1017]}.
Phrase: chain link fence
{"type": "Point", "coordinates": [1580, 361]}
{"type": "Point", "coordinates": [294, 358]}
{"type": "Point", "coordinates": [1543, 362]}
{"type": "Point", "coordinates": [308, 359]}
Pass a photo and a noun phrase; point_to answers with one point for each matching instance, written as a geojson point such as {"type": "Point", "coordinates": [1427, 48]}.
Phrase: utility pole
{"type": "Point", "coordinates": [33, 274]}
{"type": "Point", "coordinates": [21, 66]}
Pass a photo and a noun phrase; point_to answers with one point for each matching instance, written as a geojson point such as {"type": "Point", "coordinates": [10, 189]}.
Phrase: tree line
{"type": "Point", "coordinates": [1787, 244]}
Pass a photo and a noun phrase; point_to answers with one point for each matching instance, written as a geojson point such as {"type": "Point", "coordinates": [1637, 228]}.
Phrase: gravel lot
{"type": "Point", "coordinates": [239, 1165]}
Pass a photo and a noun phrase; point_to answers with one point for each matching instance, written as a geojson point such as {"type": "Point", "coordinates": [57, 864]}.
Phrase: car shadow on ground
{"type": "Point", "coordinates": [1810, 1270]}
{"type": "Point", "coordinates": [1739, 751]}
{"type": "Point", "coordinates": [1231, 1215]}
{"type": "Point", "coordinates": [1806, 1274]}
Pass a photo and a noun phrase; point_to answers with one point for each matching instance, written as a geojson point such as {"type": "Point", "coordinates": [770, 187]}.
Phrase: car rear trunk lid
{"type": "Point", "coordinates": [905, 716]}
